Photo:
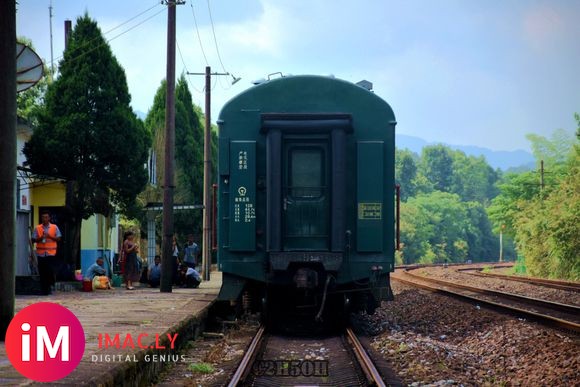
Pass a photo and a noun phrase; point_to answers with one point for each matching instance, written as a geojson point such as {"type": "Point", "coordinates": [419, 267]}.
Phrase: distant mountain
{"type": "Point", "coordinates": [140, 114]}
{"type": "Point", "coordinates": [503, 160]}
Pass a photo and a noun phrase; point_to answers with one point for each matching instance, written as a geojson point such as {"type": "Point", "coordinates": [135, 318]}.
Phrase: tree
{"type": "Point", "coordinates": [437, 166]}
{"type": "Point", "coordinates": [545, 221]}
{"type": "Point", "coordinates": [483, 245]}
{"type": "Point", "coordinates": [515, 191]}
{"type": "Point", "coordinates": [88, 134]}
{"type": "Point", "coordinates": [406, 172]}
{"type": "Point", "coordinates": [188, 154]}
{"type": "Point", "coordinates": [548, 225]}
{"type": "Point", "coordinates": [553, 151]}
{"type": "Point", "coordinates": [473, 179]}
{"type": "Point", "coordinates": [433, 228]}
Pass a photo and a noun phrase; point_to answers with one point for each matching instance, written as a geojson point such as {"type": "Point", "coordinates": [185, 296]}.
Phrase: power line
{"type": "Point", "coordinates": [186, 70]}
{"type": "Point", "coordinates": [89, 43]}
{"type": "Point", "coordinates": [198, 35]}
{"type": "Point", "coordinates": [214, 38]}
{"type": "Point", "coordinates": [136, 25]}
{"type": "Point", "coordinates": [133, 18]}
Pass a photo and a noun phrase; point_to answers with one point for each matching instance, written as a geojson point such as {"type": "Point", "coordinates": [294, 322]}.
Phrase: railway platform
{"type": "Point", "coordinates": [106, 313]}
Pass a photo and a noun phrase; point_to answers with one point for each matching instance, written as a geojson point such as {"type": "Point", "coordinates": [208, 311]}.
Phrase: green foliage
{"type": "Point", "coordinates": [548, 229]}
{"type": "Point", "coordinates": [473, 179]}
{"type": "Point", "coordinates": [444, 217]}
{"type": "Point", "coordinates": [437, 166]}
{"type": "Point", "coordinates": [87, 132]}
{"type": "Point", "coordinates": [406, 172]}
{"type": "Point", "coordinates": [399, 258]}
{"type": "Point", "coordinates": [520, 266]}
{"type": "Point", "coordinates": [553, 151]}
{"type": "Point", "coordinates": [202, 368]}
{"type": "Point", "coordinates": [189, 140]}
{"type": "Point", "coordinates": [439, 227]}
{"type": "Point", "coordinates": [515, 191]}
{"type": "Point", "coordinates": [442, 169]}
{"type": "Point", "coordinates": [545, 222]}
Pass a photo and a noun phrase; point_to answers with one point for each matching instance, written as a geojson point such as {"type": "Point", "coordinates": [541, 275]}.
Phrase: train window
{"type": "Point", "coordinates": [306, 172]}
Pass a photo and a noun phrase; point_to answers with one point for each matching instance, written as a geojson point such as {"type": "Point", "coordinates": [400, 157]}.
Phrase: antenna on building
{"type": "Point", "coordinates": [51, 57]}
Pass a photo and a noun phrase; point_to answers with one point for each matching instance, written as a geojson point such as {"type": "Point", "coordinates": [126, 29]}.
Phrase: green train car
{"type": "Point", "coordinates": [306, 198]}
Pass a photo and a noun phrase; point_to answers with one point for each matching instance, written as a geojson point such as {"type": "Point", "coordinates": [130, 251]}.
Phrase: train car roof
{"type": "Point", "coordinates": [296, 93]}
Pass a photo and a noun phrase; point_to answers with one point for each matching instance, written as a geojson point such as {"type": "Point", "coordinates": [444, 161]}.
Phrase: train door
{"type": "Point", "coordinates": [306, 195]}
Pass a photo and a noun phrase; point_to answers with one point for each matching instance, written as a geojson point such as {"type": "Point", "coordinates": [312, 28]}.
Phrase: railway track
{"type": "Point", "coordinates": [555, 284]}
{"type": "Point", "coordinates": [470, 266]}
{"type": "Point", "coordinates": [550, 313]}
{"type": "Point", "coordinates": [273, 360]}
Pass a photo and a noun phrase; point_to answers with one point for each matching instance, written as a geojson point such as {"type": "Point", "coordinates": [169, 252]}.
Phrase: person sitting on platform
{"type": "Point", "coordinates": [190, 278]}
{"type": "Point", "coordinates": [96, 272]}
{"type": "Point", "coordinates": [154, 275]}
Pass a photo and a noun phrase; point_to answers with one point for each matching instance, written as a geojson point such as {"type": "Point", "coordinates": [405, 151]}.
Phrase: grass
{"type": "Point", "coordinates": [486, 269]}
{"type": "Point", "coordinates": [202, 368]}
{"type": "Point", "coordinates": [520, 266]}
{"type": "Point", "coordinates": [402, 348]}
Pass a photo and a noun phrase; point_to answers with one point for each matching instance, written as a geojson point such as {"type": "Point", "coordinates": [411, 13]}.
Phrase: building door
{"type": "Point", "coordinates": [23, 235]}
{"type": "Point", "coordinates": [306, 196]}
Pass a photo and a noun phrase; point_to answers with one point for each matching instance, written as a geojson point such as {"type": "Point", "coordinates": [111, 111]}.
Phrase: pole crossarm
{"type": "Point", "coordinates": [189, 73]}
{"type": "Point", "coordinates": [234, 78]}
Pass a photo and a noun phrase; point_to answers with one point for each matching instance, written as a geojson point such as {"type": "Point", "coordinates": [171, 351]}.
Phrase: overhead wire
{"type": "Point", "coordinates": [216, 45]}
{"type": "Point", "coordinates": [137, 25]}
{"type": "Point", "coordinates": [185, 67]}
{"type": "Point", "coordinates": [214, 37]}
{"type": "Point", "coordinates": [133, 18]}
{"type": "Point", "coordinates": [90, 42]}
{"type": "Point", "coordinates": [198, 35]}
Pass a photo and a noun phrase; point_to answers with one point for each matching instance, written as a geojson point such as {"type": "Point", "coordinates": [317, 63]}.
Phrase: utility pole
{"type": "Point", "coordinates": [51, 56]}
{"type": "Point", "coordinates": [207, 167]}
{"type": "Point", "coordinates": [7, 162]}
{"type": "Point", "coordinates": [71, 241]}
{"type": "Point", "coordinates": [168, 183]}
{"type": "Point", "coordinates": [206, 252]}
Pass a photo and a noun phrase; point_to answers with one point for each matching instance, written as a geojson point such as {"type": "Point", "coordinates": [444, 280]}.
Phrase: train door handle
{"type": "Point", "coordinates": [287, 202]}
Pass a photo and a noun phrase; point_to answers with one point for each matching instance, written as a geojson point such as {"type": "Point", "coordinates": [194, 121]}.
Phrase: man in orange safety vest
{"type": "Point", "coordinates": [46, 235]}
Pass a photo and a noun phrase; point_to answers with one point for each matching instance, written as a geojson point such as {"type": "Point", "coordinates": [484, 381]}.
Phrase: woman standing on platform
{"type": "Point", "coordinates": [175, 261]}
{"type": "Point", "coordinates": [131, 267]}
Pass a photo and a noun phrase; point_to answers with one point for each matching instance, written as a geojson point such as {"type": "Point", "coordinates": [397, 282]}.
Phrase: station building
{"type": "Point", "coordinates": [99, 233]}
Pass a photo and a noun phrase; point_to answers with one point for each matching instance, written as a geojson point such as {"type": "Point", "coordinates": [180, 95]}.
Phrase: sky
{"type": "Point", "coordinates": [462, 72]}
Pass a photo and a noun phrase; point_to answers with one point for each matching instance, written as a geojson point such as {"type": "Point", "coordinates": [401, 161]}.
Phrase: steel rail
{"type": "Point", "coordinates": [365, 361]}
{"type": "Point", "coordinates": [572, 309]}
{"type": "Point", "coordinates": [243, 368]}
{"type": "Point", "coordinates": [553, 321]}
{"type": "Point", "coordinates": [475, 266]}
{"type": "Point", "coordinates": [562, 285]}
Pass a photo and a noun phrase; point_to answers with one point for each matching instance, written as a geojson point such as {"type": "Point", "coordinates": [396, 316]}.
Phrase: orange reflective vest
{"type": "Point", "coordinates": [49, 246]}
